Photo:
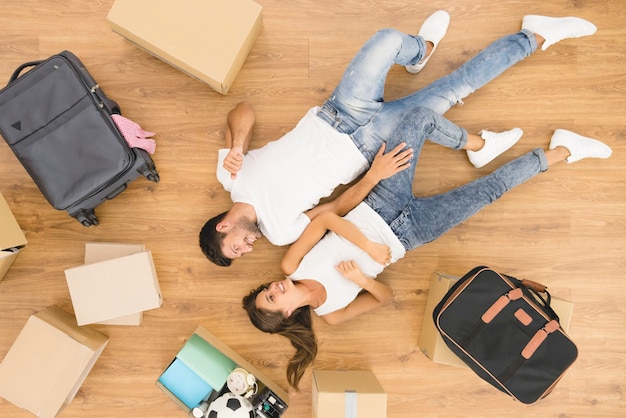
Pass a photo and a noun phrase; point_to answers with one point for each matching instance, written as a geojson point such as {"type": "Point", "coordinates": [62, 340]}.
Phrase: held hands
{"type": "Point", "coordinates": [234, 161]}
{"type": "Point", "coordinates": [386, 165]}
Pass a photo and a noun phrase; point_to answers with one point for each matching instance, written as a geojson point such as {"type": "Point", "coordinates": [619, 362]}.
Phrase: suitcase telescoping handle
{"type": "Point", "coordinates": [21, 68]}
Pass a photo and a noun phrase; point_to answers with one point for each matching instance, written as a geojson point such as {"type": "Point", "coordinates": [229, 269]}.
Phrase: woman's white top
{"type": "Point", "coordinates": [319, 264]}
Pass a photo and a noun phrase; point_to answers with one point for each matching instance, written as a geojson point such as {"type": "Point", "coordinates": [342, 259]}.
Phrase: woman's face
{"type": "Point", "coordinates": [279, 296]}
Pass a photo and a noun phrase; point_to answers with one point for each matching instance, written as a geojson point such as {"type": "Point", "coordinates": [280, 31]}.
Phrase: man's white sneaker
{"type": "Point", "coordinates": [495, 144]}
{"type": "Point", "coordinates": [555, 29]}
{"type": "Point", "coordinates": [433, 29]}
{"type": "Point", "coordinates": [579, 146]}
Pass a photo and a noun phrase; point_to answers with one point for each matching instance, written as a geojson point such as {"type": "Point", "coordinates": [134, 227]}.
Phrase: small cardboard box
{"type": "Point", "coordinates": [207, 357]}
{"type": "Point", "coordinates": [103, 251]}
{"type": "Point", "coordinates": [207, 39]}
{"type": "Point", "coordinates": [343, 394]}
{"type": "Point", "coordinates": [430, 341]}
{"type": "Point", "coordinates": [12, 239]}
{"type": "Point", "coordinates": [114, 288]}
{"type": "Point", "coordinates": [49, 361]}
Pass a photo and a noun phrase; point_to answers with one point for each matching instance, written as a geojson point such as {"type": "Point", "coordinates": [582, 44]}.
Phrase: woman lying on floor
{"type": "Point", "coordinates": [334, 272]}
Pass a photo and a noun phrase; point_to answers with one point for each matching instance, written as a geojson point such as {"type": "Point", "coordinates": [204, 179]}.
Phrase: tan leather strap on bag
{"type": "Point", "coordinates": [539, 337]}
{"type": "Point", "coordinates": [500, 304]}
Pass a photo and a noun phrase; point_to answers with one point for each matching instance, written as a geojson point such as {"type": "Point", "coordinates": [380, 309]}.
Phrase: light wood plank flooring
{"type": "Point", "coordinates": [565, 228]}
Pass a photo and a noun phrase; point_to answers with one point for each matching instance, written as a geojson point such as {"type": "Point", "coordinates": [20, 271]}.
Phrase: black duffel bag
{"type": "Point", "coordinates": [504, 329]}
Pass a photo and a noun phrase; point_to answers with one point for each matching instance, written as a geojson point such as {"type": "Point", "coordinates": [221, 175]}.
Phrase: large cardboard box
{"type": "Point", "coordinates": [207, 39]}
{"type": "Point", "coordinates": [347, 394]}
{"type": "Point", "coordinates": [49, 361]}
{"type": "Point", "coordinates": [12, 239]}
{"type": "Point", "coordinates": [103, 251]}
{"type": "Point", "coordinates": [114, 288]}
{"type": "Point", "coordinates": [201, 367]}
{"type": "Point", "coordinates": [430, 341]}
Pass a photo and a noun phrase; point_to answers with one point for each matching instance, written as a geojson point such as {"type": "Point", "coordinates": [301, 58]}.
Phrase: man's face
{"type": "Point", "coordinates": [240, 238]}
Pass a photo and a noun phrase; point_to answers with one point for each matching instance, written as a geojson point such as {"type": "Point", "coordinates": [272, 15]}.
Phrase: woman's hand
{"type": "Point", "coordinates": [380, 253]}
{"type": "Point", "coordinates": [376, 293]}
{"type": "Point", "coordinates": [351, 271]}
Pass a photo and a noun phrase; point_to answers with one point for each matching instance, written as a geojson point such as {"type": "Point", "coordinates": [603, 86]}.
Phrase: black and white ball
{"type": "Point", "coordinates": [230, 405]}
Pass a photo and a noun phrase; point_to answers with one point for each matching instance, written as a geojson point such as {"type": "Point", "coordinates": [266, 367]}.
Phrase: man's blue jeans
{"type": "Point", "coordinates": [356, 108]}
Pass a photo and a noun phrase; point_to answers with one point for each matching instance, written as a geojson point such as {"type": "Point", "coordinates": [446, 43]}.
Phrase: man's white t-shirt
{"type": "Point", "coordinates": [289, 176]}
{"type": "Point", "coordinates": [319, 263]}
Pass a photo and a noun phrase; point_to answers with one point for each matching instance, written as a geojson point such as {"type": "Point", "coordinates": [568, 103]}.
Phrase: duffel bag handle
{"type": "Point", "coordinates": [537, 287]}
{"type": "Point", "coordinates": [537, 290]}
{"type": "Point", "coordinates": [22, 67]}
{"type": "Point", "coordinates": [545, 301]}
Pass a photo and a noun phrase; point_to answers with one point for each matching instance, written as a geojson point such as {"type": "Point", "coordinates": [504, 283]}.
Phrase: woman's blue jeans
{"type": "Point", "coordinates": [416, 221]}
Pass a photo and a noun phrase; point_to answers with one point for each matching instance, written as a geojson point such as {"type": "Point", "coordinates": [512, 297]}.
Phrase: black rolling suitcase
{"type": "Point", "coordinates": [58, 122]}
{"type": "Point", "coordinates": [506, 332]}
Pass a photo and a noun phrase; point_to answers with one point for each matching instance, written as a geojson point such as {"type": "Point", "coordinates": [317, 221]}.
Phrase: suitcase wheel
{"type": "Point", "coordinates": [152, 175]}
{"type": "Point", "coordinates": [87, 217]}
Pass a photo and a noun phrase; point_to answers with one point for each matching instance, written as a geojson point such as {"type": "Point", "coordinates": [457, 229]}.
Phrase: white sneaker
{"type": "Point", "coordinates": [579, 146]}
{"type": "Point", "coordinates": [433, 29]}
{"type": "Point", "coordinates": [555, 29]}
{"type": "Point", "coordinates": [495, 144]}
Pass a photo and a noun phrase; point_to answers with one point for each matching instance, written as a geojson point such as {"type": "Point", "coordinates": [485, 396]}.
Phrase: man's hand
{"type": "Point", "coordinates": [240, 123]}
{"type": "Point", "coordinates": [234, 161]}
{"type": "Point", "coordinates": [386, 165]}
{"type": "Point", "coordinates": [383, 166]}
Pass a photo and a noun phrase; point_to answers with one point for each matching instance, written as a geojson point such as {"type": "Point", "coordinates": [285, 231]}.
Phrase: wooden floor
{"type": "Point", "coordinates": [565, 228]}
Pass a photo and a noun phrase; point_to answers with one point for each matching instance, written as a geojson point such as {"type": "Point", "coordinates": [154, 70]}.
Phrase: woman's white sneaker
{"type": "Point", "coordinates": [495, 144]}
{"type": "Point", "coordinates": [579, 146]}
{"type": "Point", "coordinates": [433, 29]}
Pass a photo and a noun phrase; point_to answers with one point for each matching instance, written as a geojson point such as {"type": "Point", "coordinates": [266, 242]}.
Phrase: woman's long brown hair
{"type": "Point", "coordinates": [297, 328]}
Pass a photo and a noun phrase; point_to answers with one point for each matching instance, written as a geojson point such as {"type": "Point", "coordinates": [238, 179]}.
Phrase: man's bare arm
{"type": "Point", "coordinates": [383, 166]}
{"type": "Point", "coordinates": [240, 125]}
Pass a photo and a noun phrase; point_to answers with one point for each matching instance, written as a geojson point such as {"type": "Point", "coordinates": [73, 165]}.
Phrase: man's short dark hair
{"type": "Point", "coordinates": [211, 241]}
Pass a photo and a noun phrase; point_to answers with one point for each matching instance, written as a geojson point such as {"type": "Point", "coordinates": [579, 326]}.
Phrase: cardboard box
{"type": "Point", "coordinates": [49, 361]}
{"type": "Point", "coordinates": [114, 288]}
{"type": "Point", "coordinates": [12, 239]}
{"type": "Point", "coordinates": [102, 251]}
{"type": "Point", "coordinates": [207, 39]}
{"type": "Point", "coordinates": [430, 341]}
{"type": "Point", "coordinates": [210, 360]}
{"type": "Point", "coordinates": [347, 394]}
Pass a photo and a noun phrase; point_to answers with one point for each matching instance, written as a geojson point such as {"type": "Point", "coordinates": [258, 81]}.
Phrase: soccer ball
{"type": "Point", "coordinates": [230, 405]}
